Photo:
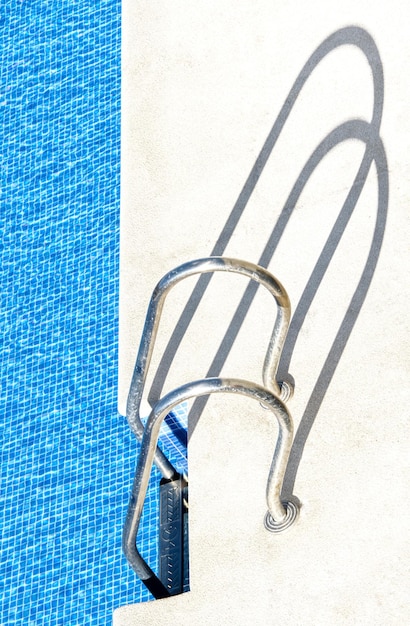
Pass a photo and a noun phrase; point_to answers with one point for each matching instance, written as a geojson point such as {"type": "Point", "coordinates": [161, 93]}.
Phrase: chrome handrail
{"type": "Point", "coordinates": [280, 514]}
{"type": "Point", "coordinates": [202, 266]}
{"type": "Point", "coordinates": [271, 395]}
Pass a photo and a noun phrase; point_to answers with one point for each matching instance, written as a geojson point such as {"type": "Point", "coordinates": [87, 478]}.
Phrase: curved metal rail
{"type": "Point", "coordinates": [201, 266]}
{"type": "Point", "coordinates": [280, 514]}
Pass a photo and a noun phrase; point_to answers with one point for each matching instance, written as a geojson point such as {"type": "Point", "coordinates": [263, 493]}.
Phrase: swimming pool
{"type": "Point", "coordinates": [67, 456]}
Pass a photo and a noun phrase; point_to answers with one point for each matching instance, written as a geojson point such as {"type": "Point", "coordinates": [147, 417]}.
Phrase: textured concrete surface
{"type": "Point", "coordinates": [223, 152]}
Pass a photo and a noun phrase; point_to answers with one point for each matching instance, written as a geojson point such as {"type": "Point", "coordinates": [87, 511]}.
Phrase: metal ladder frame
{"type": "Point", "coordinates": [272, 395]}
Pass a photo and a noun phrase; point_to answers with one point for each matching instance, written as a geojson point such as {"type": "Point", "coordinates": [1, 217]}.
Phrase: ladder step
{"type": "Point", "coordinates": [173, 534]}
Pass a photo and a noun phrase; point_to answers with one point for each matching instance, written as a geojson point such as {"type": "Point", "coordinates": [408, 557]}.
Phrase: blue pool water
{"type": "Point", "coordinates": [67, 456]}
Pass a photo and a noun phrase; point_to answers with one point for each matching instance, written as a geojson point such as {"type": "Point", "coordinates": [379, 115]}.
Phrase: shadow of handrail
{"type": "Point", "coordinates": [368, 133]}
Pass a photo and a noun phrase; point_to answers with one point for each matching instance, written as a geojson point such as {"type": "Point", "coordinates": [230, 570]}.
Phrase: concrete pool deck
{"type": "Point", "coordinates": [226, 151]}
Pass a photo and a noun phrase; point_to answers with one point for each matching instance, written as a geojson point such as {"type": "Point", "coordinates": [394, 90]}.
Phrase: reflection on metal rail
{"type": "Point", "coordinates": [271, 395]}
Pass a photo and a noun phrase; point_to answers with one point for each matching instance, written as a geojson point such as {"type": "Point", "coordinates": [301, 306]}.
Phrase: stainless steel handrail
{"type": "Point", "coordinates": [201, 266]}
{"type": "Point", "coordinates": [271, 395]}
{"type": "Point", "coordinates": [280, 514]}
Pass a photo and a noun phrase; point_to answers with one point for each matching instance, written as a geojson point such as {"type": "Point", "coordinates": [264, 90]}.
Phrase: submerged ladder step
{"type": "Point", "coordinates": [173, 534]}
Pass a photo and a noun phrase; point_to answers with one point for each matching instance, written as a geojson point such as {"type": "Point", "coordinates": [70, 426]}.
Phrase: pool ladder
{"type": "Point", "coordinates": [173, 576]}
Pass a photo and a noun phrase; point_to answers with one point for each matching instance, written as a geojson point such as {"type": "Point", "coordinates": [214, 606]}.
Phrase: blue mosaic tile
{"type": "Point", "coordinates": [67, 457]}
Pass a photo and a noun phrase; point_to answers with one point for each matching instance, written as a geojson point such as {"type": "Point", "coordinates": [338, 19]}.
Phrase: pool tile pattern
{"type": "Point", "coordinates": [67, 457]}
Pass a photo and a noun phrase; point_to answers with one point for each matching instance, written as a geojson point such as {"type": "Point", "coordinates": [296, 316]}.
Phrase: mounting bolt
{"type": "Point", "coordinates": [286, 390]}
{"type": "Point", "coordinates": [292, 513]}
